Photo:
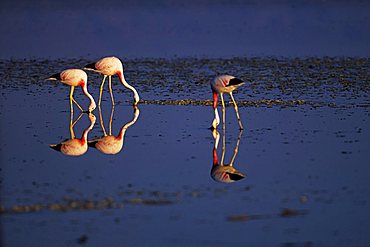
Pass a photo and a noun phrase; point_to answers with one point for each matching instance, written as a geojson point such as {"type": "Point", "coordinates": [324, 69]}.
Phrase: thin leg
{"type": "Point", "coordinates": [223, 111]}
{"type": "Point", "coordinates": [236, 111]}
{"type": "Point", "coordinates": [101, 89]}
{"type": "Point", "coordinates": [77, 104]}
{"type": "Point", "coordinates": [72, 99]}
{"type": "Point", "coordinates": [70, 123]}
{"type": "Point", "coordinates": [110, 89]}
{"type": "Point", "coordinates": [101, 121]}
{"type": "Point", "coordinates": [79, 117]}
{"type": "Point", "coordinates": [236, 148]}
{"type": "Point", "coordinates": [111, 121]}
{"type": "Point", "coordinates": [223, 143]}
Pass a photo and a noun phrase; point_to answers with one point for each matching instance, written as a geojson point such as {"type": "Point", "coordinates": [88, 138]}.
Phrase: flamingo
{"type": "Point", "coordinates": [110, 144]}
{"type": "Point", "coordinates": [74, 78]}
{"type": "Point", "coordinates": [109, 66]}
{"type": "Point", "coordinates": [220, 85]}
{"type": "Point", "coordinates": [221, 172]}
{"type": "Point", "coordinates": [75, 146]}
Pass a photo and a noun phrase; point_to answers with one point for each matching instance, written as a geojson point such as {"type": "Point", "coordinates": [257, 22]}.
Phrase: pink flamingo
{"type": "Point", "coordinates": [109, 66]}
{"type": "Point", "coordinates": [221, 172]}
{"type": "Point", "coordinates": [74, 78]}
{"type": "Point", "coordinates": [110, 144]}
{"type": "Point", "coordinates": [75, 146]}
{"type": "Point", "coordinates": [220, 85]}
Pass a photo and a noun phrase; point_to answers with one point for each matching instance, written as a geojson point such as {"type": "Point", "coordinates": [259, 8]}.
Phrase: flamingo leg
{"type": "Point", "coordinates": [236, 111]}
{"type": "Point", "coordinates": [72, 99]}
{"type": "Point", "coordinates": [110, 89]}
{"type": "Point", "coordinates": [70, 123]}
{"type": "Point", "coordinates": [101, 121]}
{"type": "Point", "coordinates": [223, 111]}
{"type": "Point", "coordinates": [236, 147]}
{"type": "Point", "coordinates": [101, 89]}
{"type": "Point", "coordinates": [71, 107]}
{"type": "Point", "coordinates": [77, 104]}
{"type": "Point", "coordinates": [223, 143]}
{"type": "Point", "coordinates": [111, 121]}
{"type": "Point", "coordinates": [79, 117]}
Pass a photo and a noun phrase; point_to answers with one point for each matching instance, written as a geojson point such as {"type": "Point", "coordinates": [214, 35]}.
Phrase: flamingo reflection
{"type": "Point", "coordinates": [75, 146]}
{"type": "Point", "coordinates": [110, 144]}
{"type": "Point", "coordinates": [221, 172]}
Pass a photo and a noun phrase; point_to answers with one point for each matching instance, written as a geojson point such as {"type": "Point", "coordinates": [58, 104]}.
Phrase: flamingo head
{"type": "Point", "coordinates": [136, 99]}
{"type": "Point", "coordinates": [216, 120]}
{"type": "Point", "coordinates": [90, 66]}
{"type": "Point", "coordinates": [215, 123]}
{"type": "Point", "coordinates": [54, 77]}
{"type": "Point", "coordinates": [92, 106]}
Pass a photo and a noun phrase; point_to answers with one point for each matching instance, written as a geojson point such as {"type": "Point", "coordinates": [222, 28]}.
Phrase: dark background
{"type": "Point", "coordinates": [167, 28]}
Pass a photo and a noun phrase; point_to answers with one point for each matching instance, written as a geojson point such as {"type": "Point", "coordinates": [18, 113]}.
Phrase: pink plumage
{"type": "Point", "coordinates": [220, 85]}
{"type": "Point", "coordinates": [110, 66]}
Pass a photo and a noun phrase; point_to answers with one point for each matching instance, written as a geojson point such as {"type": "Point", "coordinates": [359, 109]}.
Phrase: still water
{"type": "Point", "coordinates": [303, 155]}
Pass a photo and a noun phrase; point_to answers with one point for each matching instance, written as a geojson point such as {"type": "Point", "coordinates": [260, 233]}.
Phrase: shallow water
{"type": "Point", "coordinates": [306, 163]}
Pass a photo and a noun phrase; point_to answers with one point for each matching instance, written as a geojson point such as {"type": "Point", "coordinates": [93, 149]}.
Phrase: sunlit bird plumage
{"type": "Point", "coordinates": [221, 172]}
{"type": "Point", "coordinates": [110, 144]}
{"type": "Point", "coordinates": [110, 66]}
{"type": "Point", "coordinates": [75, 146]}
{"type": "Point", "coordinates": [220, 85]}
{"type": "Point", "coordinates": [75, 78]}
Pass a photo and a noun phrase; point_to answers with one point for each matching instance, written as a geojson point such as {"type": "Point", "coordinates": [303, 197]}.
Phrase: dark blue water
{"type": "Point", "coordinates": [306, 165]}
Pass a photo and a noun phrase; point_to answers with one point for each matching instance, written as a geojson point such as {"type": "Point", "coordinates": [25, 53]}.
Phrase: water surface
{"type": "Point", "coordinates": [305, 156]}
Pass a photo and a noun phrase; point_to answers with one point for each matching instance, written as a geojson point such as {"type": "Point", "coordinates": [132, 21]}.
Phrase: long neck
{"type": "Point", "coordinates": [92, 101]}
{"type": "Point", "coordinates": [127, 125]}
{"type": "Point", "coordinates": [216, 136]}
{"type": "Point", "coordinates": [215, 157]}
{"type": "Point", "coordinates": [86, 131]}
{"type": "Point", "coordinates": [124, 82]}
{"type": "Point", "coordinates": [216, 120]}
{"type": "Point", "coordinates": [215, 99]}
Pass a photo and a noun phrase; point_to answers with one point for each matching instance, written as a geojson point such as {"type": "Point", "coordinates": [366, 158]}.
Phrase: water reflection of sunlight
{"type": "Point", "coordinates": [75, 146]}
{"type": "Point", "coordinates": [221, 172]}
{"type": "Point", "coordinates": [108, 143]}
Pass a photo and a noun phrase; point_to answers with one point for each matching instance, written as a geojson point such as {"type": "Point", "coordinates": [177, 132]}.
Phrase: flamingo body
{"type": "Point", "coordinates": [75, 146]}
{"type": "Point", "coordinates": [221, 172]}
{"type": "Point", "coordinates": [226, 174]}
{"type": "Point", "coordinates": [109, 66]}
{"type": "Point", "coordinates": [75, 78]}
{"type": "Point", "coordinates": [220, 85]}
{"type": "Point", "coordinates": [71, 147]}
{"type": "Point", "coordinates": [108, 144]}
{"type": "Point", "coordinates": [225, 84]}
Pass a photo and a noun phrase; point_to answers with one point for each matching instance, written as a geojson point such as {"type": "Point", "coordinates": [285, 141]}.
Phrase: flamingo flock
{"type": "Point", "coordinates": [109, 66]}
{"type": "Point", "coordinates": [110, 144]}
